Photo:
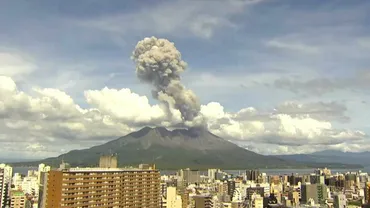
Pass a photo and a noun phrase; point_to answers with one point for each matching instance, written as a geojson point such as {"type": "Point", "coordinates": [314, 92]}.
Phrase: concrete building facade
{"type": "Point", "coordinates": [256, 201]}
{"type": "Point", "coordinates": [367, 193]}
{"type": "Point", "coordinates": [255, 190]}
{"type": "Point", "coordinates": [203, 201]}
{"type": "Point", "coordinates": [190, 176]}
{"type": "Point", "coordinates": [173, 200]}
{"type": "Point", "coordinates": [322, 193]}
{"type": "Point", "coordinates": [317, 192]}
{"type": "Point", "coordinates": [108, 161]}
{"type": "Point", "coordinates": [6, 173]}
{"type": "Point", "coordinates": [252, 175]}
{"type": "Point", "coordinates": [43, 189]}
{"type": "Point", "coordinates": [212, 174]}
{"type": "Point", "coordinates": [308, 191]}
{"type": "Point", "coordinates": [103, 187]}
{"type": "Point", "coordinates": [340, 201]}
{"type": "Point", "coordinates": [18, 199]}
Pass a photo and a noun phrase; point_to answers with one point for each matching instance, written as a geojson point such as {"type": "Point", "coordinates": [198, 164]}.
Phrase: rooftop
{"type": "Point", "coordinates": [106, 170]}
{"type": "Point", "coordinates": [17, 193]}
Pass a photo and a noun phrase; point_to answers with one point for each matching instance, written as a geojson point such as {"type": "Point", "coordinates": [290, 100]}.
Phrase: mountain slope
{"type": "Point", "coordinates": [331, 156]}
{"type": "Point", "coordinates": [194, 148]}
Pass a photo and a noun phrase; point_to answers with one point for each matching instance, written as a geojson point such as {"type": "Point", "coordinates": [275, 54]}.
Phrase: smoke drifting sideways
{"type": "Point", "coordinates": [159, 63]}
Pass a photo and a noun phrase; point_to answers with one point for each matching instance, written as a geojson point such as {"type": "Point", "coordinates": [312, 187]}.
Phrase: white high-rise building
{"type": "Point", "coordinates": [243, 189]}
{"type": "Point", "coordinates": [264, 178]}
{"type": "Point", "coordinates": [212, 174]}
{"type": "Point", "coordinates": [32, 173]}
{"type": "Point", "coordinates": [42, 168]}
{"type": "Point", "coordinates": [6, 173]}
{"type": "Point", "coordinates": [217, 203]}
{"type": "Point", "coordinates": [173, 200]}
{"type": "Point", "coordinates": [17, 181]}
{"type": "Point", "coordinates": [237, 196]}
{"type": "Point", "coordinates": [42, 189]}
{"type": "Point", "coordinates": [257, 201]}
{"type": "Point", "coordinates": [30, 185]}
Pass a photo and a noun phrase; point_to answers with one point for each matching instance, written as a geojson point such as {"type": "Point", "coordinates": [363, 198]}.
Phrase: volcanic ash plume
{"type": "Point", "coordinates": [159, 63]}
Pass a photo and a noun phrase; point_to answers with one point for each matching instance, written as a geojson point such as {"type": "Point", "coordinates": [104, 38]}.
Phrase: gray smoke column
{"type": "Point", "coordinates": [159, 63]}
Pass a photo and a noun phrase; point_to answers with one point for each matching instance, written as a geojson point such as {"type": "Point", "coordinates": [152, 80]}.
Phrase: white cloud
{"type": "Point", "coordinates": [319, 110]}
{"type": "Point", "coordinates": [204, 25]}
{"type": "Point", "coordinates": [213, 111]}
{"type": "Point", "coordinates": [7, 84]}
{"type": "Point", "coordinates": [293, 46]}
{"type": "Point", "coordinates": [274, 128]}
{"type": "Point", "coordinates": [301, 127]}
{"type": "Point", "coordinates": [36, 147]}
{"type": "Point", "coordinates": [49, 121]}
{"type": "Point", "coordinates": [52, 114]}
{"type": "Point", "coordinates": [50, 117]}
{"type": "Point", "coordinates": [15, 65]}
{"type": "Point", "coordinates": [179, 18]}
{"type": "Point", "coordinates": [358, 80]}
{"type": "Point", "coordinates": [125, 105]}
{"type": "Point", "coordinates": [19, 124]}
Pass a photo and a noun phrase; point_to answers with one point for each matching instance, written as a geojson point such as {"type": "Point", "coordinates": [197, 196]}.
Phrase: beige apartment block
{"type": "Point", "coordinates": [103, 188]}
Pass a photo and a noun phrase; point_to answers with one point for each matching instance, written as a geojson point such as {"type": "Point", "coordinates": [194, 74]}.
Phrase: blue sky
{"type": "Point", "coordinates": [259, 54]}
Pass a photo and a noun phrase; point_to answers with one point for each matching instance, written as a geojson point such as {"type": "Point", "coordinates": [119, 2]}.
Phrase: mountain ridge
{"type": "Point", "coordinates": [331, 156]}
{"type": "Point", "coordinates": [174, 149]}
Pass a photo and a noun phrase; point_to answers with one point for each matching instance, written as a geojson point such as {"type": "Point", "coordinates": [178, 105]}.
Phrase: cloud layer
{"type": "Point", "coordinates": [48, 122]}
{"type": "Point", "coordinates": [359, 81]}
{"type": "Point", "coordinates": [199, 19]}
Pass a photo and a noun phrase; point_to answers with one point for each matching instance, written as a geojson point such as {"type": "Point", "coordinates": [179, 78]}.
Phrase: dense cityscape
{"type": "Point", "coordinates": [146, 187]}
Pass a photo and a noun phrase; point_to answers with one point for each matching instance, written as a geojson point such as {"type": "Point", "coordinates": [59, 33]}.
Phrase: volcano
{"type": "Point", "coordinates": [179, 148]}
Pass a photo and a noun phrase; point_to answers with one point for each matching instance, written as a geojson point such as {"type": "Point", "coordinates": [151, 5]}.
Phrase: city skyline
{"type": "Point", "coordinates": [146, 186]}
{"type": "Point", "coordinates": [276, 77]}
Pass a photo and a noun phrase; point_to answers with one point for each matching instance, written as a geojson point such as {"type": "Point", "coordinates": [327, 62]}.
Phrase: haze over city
{"type": "Point", "coordinates": [275, 77]}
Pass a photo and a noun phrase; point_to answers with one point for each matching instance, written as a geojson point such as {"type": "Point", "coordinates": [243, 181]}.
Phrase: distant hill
{"type": "Point", "coordinates": [180, 148]}
{"type": "Point", "coordinates": [331, 156]}
{"type": "Point", "coordinates": [12, 160]}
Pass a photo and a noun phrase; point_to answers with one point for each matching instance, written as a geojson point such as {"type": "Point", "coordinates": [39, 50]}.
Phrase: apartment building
{"type": "Point", "coordinates": [367, 193]}
{"type": "Point", "coordinates": [203, 201]}
{"type": "Point", "coordinates": [18, 199]}
{"type": "Point", "coordinates": [2, 184]}
{"type": "Point", "coordinates": [6, 173]}
{"type": "Point", "coordinates": [103, 187]}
